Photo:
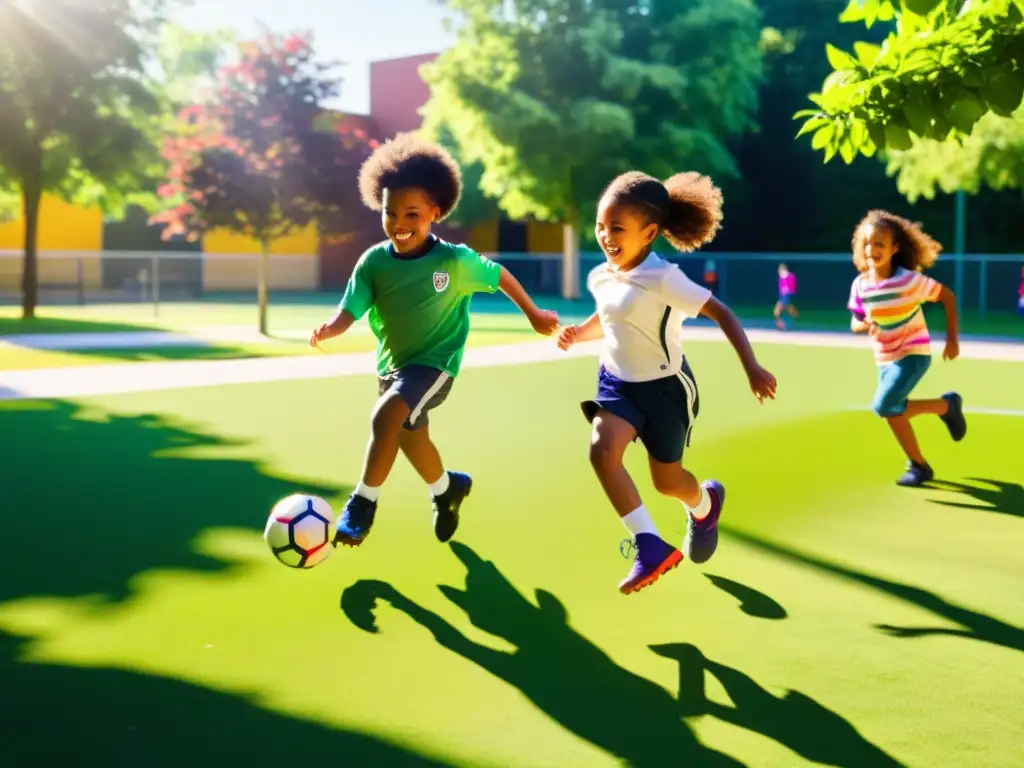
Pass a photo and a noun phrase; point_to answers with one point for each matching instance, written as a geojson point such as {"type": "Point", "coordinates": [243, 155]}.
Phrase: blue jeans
{"type": "Point", "coordinates": [895, 383]}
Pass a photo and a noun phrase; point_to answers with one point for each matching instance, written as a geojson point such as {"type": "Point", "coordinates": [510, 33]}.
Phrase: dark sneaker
{"type": "Point", "coordinates": [915, 475]}
{"type": "Point", "coordinates": [446, 506]}
{"type": "Point", "coordinates": [653, 557]}
{"type": "Point", "coordinates": [954, 417]}
{"type": "Point", "coordinates": [702, 535]}
{"type": "Point", "coordinates": [355, 521]}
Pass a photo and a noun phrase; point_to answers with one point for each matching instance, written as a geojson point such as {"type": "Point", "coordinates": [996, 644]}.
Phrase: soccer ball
{"type": "Point", "coordinates": [299, 530]}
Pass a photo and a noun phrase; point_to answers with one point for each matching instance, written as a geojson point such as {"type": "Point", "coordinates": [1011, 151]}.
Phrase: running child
{"type": "Point", "coordinates": [886, 300]}
{"type": "Point", "coordinates": [417, 290]}
{"type": "Point", "coordinates": [787, 291]}
{"type": "Point", "coordinates": [645, 387]}
{"type": "Point", "coordinates": [1020, 294]}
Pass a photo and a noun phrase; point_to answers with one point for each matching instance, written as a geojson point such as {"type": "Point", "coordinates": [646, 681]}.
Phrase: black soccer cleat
{"type": "Point", "coordinates": [446, 506]}
{"type": "Point", "coordinates": [954, 418]}
{"type": "Point", "coordinates": [916, 475]}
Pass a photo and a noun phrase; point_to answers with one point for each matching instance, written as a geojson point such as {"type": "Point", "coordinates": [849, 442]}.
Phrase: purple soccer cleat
{"type": "Point", "coordinates": [702, 535]}
{"type": "Point", "coordinates": [653, 557]}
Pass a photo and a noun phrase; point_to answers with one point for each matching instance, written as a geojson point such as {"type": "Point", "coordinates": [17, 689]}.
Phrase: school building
{"type": "Point", "coordinates": [78, 246]}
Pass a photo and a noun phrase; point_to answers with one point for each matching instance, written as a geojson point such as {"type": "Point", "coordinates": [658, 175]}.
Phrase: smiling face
{"type": "Point", "coordinates": [879, 248]}
{"type": "Point", "coordinates": [623, 233]}
{"type": "Point", "coordinates": [407, 216]}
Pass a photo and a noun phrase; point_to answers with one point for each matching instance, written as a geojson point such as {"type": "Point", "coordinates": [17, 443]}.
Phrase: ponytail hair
{"type": "Point", "coordinates": [687, 207]}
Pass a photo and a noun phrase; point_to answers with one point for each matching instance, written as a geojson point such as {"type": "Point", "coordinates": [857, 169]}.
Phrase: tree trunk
{"type": "Point", "coordinates": [570, 261]}
{"type": "Point", "coordinates": [261, 284]}
{"type": "Point", "coordinates": [31, 194]}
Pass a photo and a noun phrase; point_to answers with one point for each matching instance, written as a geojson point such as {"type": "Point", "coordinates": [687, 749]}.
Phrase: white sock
{"type": "Point", "coordinates": [639, 521]}
{"type": "Point", "coordinates": [439, 486]}
{"type": "Point", "coordinates": [703, 508]}
{"type": "Point", "coordinates": [369, 492]}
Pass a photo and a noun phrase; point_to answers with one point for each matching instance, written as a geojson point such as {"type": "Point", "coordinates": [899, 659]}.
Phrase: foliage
{"type": "Point", "coordinates": [945, 65]}
{"type": "Point", "coordinates": [76, 110]}
{"type": "Point", "coordinates": [258, 159]}
{"type": "Point", "coordinates": [555, 97]}
{"type": "Point", "coordinates": [993, 155]}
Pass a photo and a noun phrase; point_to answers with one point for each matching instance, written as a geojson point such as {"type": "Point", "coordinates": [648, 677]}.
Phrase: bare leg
{"type": "Point", "coordinates": [937, 406]}
{"type": "Point", "coordinates": [675, 481]}
{"type": "Point", "coordinates": [900, 426]}
{"type": "Point", "coordinates": [421, 452]}
{"type": "Point", "coordinates": [385, 435]}
{"type": "Point", "coordinates": [608, 442]}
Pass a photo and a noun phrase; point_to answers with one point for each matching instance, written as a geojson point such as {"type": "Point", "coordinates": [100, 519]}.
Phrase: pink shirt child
{"type": "Point", "coordinates": [787, 284]}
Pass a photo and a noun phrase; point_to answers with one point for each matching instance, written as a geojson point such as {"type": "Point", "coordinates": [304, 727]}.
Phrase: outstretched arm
{"type": "Point", "coordinates": [543, 321]}
{"type": "Point", "coordinates": [588, 330]}
{"type": "Point", "coordinates": [762, 383]}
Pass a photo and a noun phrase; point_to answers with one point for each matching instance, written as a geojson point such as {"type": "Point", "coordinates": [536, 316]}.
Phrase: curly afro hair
{"type": "Point", "coordinates": [915, 249]}
{"type": "Point", "coordinates": [409, 161]}
{"type": "Point", "coordinates": [687, 207]}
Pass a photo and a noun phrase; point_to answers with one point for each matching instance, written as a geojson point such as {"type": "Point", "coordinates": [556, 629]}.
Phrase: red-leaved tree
{"type": "Point", "coordinates": [259, 159]}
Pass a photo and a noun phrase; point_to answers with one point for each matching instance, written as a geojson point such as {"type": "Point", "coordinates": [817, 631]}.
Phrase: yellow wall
{"type": "Point", "coordinates": [223, 241]}
{"type": "Point", "coordinates": [483, 238]}
{"type": "Point", "coordinates": [237, 272]}
{"type": "Point", "coordinates": [53, 270]}
{"type": "Point", "coordinates": [62, 227]}
{"type": "Point", "coordinates": [543, 238]}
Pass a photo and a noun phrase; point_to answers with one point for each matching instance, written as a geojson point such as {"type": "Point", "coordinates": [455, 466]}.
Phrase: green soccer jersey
{"type": "Point", "coordinates": [419, 306]}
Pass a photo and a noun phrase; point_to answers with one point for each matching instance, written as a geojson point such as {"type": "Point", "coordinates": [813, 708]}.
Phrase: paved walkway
{"type": "Point", "coordinates": [119, 378]}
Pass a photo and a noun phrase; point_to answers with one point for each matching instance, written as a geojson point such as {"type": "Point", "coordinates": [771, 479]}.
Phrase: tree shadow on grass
{"type": "Point", "coordinates": [15, 326]}
{"type": "Point", "coordinates": [974, 625]}
{"type": "Point", "coordinates": [562, 672]}
{"type": "Point", "coordinates": [999, 496]}
{"type": "Point", "coordinates": [90, 501]}
{"type": "Point", "coordinates": [62, 715]}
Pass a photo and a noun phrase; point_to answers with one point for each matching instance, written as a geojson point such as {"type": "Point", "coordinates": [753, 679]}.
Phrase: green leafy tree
{"type": "Point", "coordinates": [555, 97]}
{"type": "Point", "coordinates": [76, 111]}
{"type": "Point", "coordinates": [945, 65]}
{"type": "Point", "coordinates": [992, 156]}
{"type": "Point", "coordinates": [258, 160]}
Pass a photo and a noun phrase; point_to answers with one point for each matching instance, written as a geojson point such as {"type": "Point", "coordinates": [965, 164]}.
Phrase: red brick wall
{"type": "Point", "coordinates": [397, 92]}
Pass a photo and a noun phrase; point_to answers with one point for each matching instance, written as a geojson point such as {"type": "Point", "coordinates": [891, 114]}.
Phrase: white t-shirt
{"type": "Point", "coordinates": [642, 313]}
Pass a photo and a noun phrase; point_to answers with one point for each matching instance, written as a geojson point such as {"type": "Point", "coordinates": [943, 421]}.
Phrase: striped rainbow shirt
{"type": "Point", "coordinates": [894, 304]}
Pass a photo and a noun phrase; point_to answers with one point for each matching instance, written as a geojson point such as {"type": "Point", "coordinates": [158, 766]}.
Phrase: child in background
{"type": "Point", "coordinates": [787, 290]}
{"type": "Point", "coordinates": [417, 290]}
{"type": "Point", "coordinates": [1020, 294]}
{"type": "Point", "coordinates": [645, 387]}
{"type": "Point", "coordinates": [886, 300]}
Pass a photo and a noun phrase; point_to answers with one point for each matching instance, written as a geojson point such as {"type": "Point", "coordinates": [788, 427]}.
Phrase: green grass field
{"type": "Point", "coordinates": [844, 621]}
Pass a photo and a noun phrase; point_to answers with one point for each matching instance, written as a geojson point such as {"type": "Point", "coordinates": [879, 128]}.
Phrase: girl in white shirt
{"type": "Point", "coordinates": [645, 387]}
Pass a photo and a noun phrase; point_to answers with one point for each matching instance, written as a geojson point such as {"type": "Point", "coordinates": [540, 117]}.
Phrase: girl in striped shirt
{"type": "Point", "coordinates": [886, 300]}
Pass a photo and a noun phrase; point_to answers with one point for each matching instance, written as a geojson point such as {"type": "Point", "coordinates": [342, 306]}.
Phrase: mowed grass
{"type": "Point", "coordinates": [487, 330]}
{"type": "Point", "coordinates": [844, 621]}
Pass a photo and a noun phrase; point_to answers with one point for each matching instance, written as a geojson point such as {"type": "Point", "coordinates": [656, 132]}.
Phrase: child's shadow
{"type": "Point", "coordinates": [559, 670]}
{"type": "Point", "coordinates": [994, 495]}
{"type": "Point", "coordinates": [797, 721]}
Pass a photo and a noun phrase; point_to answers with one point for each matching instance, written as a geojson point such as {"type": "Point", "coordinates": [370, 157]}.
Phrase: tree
{"type": "Point", "coordinates": [260, 160]}
{"type": "Point", "coordinates": [993, 155]}
{"type": "Point", "coordinates": [76, 111]}
{"type": "Point", "coordinates": [946, 65]}
{"type": "Point", "coordinates": [555, 97]}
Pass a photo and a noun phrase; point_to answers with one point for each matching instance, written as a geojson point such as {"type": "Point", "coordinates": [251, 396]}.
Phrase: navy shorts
{"type": "Point", "coordinates": [661, 411]}
{"type": "Point", "coordinates": [421, 387]}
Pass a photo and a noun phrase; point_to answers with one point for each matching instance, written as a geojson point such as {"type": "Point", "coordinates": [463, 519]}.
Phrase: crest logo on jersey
{"type": "Point", "coordinates": [440, 281]}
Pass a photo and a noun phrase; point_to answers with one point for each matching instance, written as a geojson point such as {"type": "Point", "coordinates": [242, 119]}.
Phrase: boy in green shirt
{"type": "Point", "coordinates": [417, 290]}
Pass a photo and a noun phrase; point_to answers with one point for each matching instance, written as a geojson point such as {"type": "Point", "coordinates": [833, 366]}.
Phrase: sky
{"type": "Point", "coordinates": [352, 31]}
